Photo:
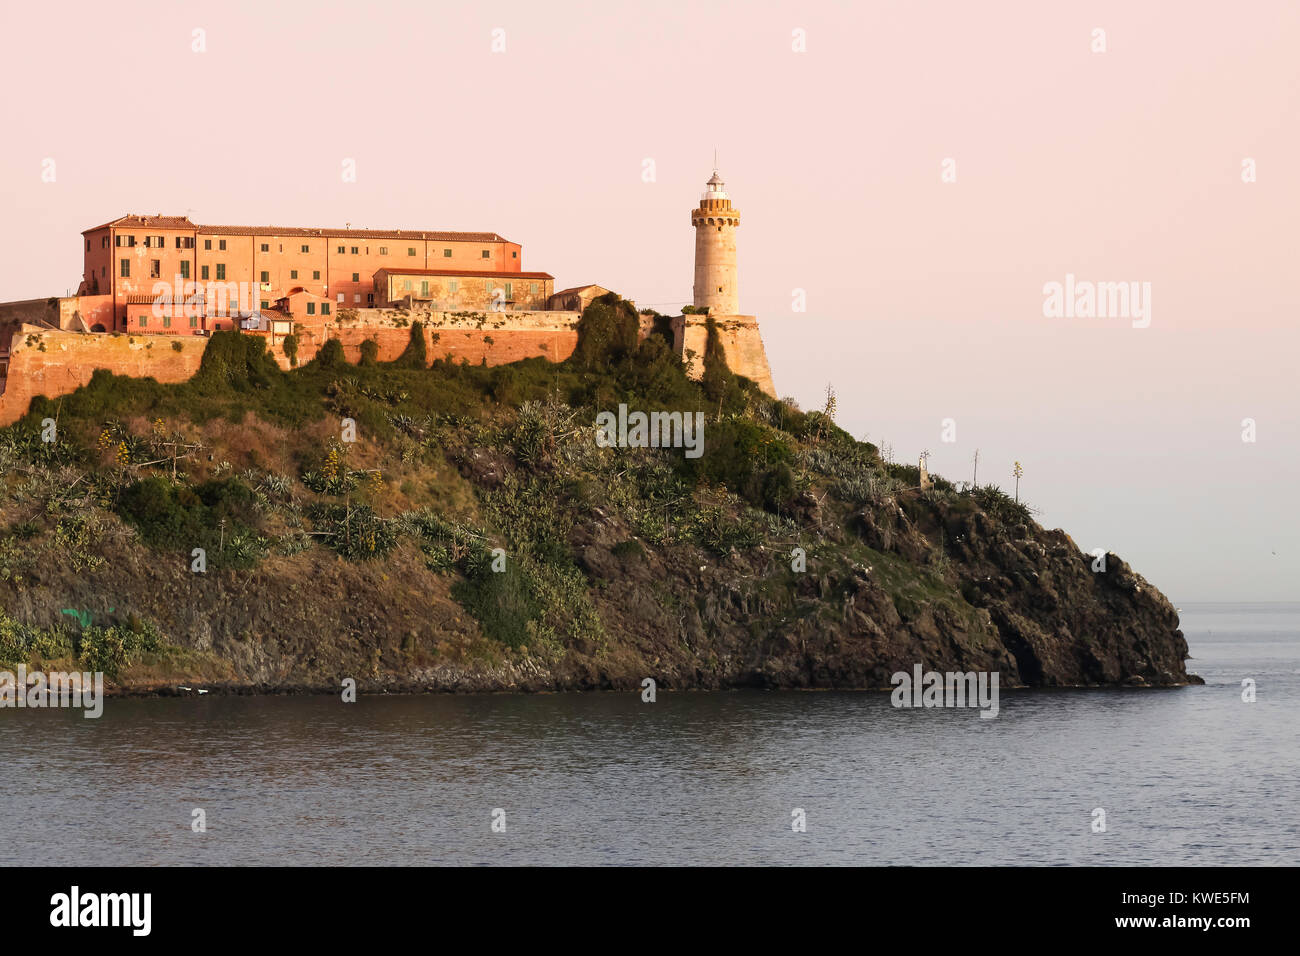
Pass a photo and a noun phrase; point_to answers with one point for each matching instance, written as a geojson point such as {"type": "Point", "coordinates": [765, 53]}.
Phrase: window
{"type": "Point", "coordinates": [155, 268]}
{"type": "Point", "coordinates": [357, 298]}
{"type": "Point", "coordinates": [510, 295]}
{"type": "Point", "coordinates": [167, 321]}
{"type": "Point", "coordinates": [342, 249]}
{"type": "Point", "coordinates": [103, 242]}
{"type": "Point", "coordinates": [532, 288]}
{"type": "Point", "coordinates": [406, 286]}
{"type": "Point", "coordinates": [383, 250]}
{"type": "Point", "coordinates": [306, 248]}
{"type": "Point", "coordinates": [221, 245]}
{"type": "Point", "coordinates": [424, 287]}
{"type": "Point", "coordinates": [126, 268]}
{"type": "Point", "coordinates": [410, 250]}
{"type": "Point", "coordinates": [324, 308]}
{"type": "Point", "coordinates": [315, 273]}
{"type": "Point", "coordinates": [124, 240]}
{"type": "Point", "coordinates": [370, 298]}
{"type": "Point", "coordinates": [144, 320]}
{"type": "Point", "coordinates": [356, 277]}
{"type": "Point", "coordinates": [340, 297]}
{"type": "Point", "coordinates": [293, 273]}
{"type": "Point", "coordinates": [160, 241]}
{"type": "Point", "coordinates": [266, 304]}
{"type": "Point", "coordinates": [178, 242]}
{"type": "Point", "coordinates": [207, 244]}
{"type": "Point", "coordinates": [203, 272]}
{"type": "Point", "coordinates": [185, 268]}
{"type": "Point", "coordinates": [266, 247]}
{"type": "Point", "coordinates": [354, 250]}
{"type": "Point", "coordinates": [446, 253]}
{"type": "Point", "coordinates": [514, 254]}
{"type": "Point", "coordinates": [103, 271]}
{"type": "Point", "coordinates": [487, 254]}
{"type": "Point", "coordinates": [87, 245]}
{"type": "Point", "coordinates": [221, 270]}
{"type": "Point", "coordinates": [282, 247]}
{"type": "Point", "coordinates": [311, 308]}
{"type": "Point", "coordinates": [452, 286]}
{"type": "Point", "coordinates": [266, 276]}
{"type": "Point", "coordinates": [194, 321]}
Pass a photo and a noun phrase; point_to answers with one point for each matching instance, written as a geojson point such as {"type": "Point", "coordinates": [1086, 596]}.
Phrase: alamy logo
{"type": "Point", "coordinates": [55, 689]}
{"type": "Point", "coordinates": [103, 909]}
{"type": "Point", "coordinates": [1084, 299]}
{"type": "Point", "coordinates": [653, 430]}
{"type": "Point", "coordinates": [953, 689]}
{"type": "Point", "coordinates": [185, 298]}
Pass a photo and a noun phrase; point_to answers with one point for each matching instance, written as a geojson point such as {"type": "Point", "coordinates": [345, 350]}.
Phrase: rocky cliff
{"type": "Point", "coordinates": [475, 536]}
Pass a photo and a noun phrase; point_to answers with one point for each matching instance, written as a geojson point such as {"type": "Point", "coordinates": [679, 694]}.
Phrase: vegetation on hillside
{"type": "Point", "coordinates": [489, 476]}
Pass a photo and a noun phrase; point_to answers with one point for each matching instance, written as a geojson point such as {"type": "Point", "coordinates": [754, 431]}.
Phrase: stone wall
{"type": "Point", "coordinates": [52, 363]}
{"type": "Point", "coordinates": [741, 342]}
{"type": "Point", "coordinates": [498, 337]}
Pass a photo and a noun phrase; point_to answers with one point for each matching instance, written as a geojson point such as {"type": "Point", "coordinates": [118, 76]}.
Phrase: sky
{"type": "Point", "coordinates": [911, 177]}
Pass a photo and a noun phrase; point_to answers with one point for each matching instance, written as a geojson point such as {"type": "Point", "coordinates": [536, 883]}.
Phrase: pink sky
{"type": "Point", "coordinates": [924, 299]}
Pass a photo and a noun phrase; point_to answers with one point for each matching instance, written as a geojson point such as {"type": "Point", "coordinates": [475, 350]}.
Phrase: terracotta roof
{"type": "Point", "coordinates": [297, 232]}
{"type": "Point", "coordinates": [456, 273]}
{"type": "Point", "coordinates": [183, 222]}
{"type": "Point", "coordinates": [580, 288]}
{"type": "Point", "coordinates": [162, 222]}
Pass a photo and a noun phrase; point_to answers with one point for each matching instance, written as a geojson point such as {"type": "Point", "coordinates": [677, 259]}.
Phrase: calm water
{"type": "Point", "coordinates": [1186, 776]}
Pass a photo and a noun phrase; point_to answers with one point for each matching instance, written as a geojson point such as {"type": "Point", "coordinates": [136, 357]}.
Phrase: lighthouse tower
{"type": "Point", "coordinates": [715, 223]}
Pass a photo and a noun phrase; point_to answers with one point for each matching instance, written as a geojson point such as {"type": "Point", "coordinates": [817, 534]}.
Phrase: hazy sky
{"type": "Point", "coordinates": [925, 298]}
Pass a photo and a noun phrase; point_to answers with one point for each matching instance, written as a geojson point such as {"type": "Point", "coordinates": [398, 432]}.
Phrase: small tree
{"type": "Point", "coordinates": [1018, 471]}
{"type": "Point", "coordinates": [416, 353]}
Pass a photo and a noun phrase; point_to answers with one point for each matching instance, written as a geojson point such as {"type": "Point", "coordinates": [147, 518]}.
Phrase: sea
{"type": "Point", "coordinates": [1199, 775]}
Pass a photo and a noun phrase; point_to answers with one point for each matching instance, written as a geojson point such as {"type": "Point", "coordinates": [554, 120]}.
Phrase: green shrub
{"type": "Point", "coordinates": [416, 353]}
{"type": "Point", "coordinates": [607, 332]}
{"type": "Point", "coordinates": [20, 642]}
{"type": "Point", "coordinates": [179, 517]}
{"type": "Point", "coordinates": [750, 460]}
{"type": "Point", "coordinates": [354, 531]}
{"type": "Point", "coordinates": [109, 649]}
{"type": "Point", "coordinates": [501, 601]}
{"type": "Point", "coordinates": [330, 355]}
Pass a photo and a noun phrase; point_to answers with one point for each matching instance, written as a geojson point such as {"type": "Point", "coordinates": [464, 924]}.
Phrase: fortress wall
{"type": "Point", "coordinates": [52, 363]}
{"type": "Point", "coordinates": [741, 342]}
{"type": "Point", "coordinates": [91, 309]}
{"type": "Point", "coordinates": [68, 359]}
{"type": "Point", "coordinates": [458, 345]}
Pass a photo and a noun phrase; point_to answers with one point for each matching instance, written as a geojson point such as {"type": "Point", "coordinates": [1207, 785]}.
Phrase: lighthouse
{"type": "Point", "coordinates": [715, 222]}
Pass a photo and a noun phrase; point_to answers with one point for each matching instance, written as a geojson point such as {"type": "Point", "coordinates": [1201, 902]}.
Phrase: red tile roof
{"type": "Point", "coordinates": [580, 288]}
{"type": "Point", "coordinates": [348, 233]}
{"type": "Point", "coordinates": [162, 222]}
{"type": "Point", "coordinates": [183, 222]}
